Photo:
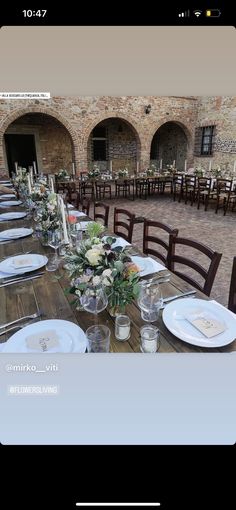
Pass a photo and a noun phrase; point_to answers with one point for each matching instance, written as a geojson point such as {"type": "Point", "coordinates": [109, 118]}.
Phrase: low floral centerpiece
{"type": "Point", "coordinates": [63, 175]}
{"type": "Point", "coordinates": [199, 171]}
{"type": "Point", "coordinates": [123, 173]}
{"type": "Point", "coordinates": [97, 263]}
{"type": "Point", "coordinates": [48, 216]}
{"type": "Point", "coordinates": [94, 173]}
{"type": "Point", "coordinates": [216, 171]}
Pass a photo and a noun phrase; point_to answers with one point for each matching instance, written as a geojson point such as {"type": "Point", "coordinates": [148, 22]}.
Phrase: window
{"type": "Point", "coordinates": [204, 138]}
{"type": "Point", "coordinates": [99, 144]}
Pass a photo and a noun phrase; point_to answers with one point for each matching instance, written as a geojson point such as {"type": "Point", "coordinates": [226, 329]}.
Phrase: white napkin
{"type": "Point", "coordinates": [78, 214]}
{"type": "Point", "coordinates": [153, 265]}
{"type": "Point", "coordinates": [42, 341]}
{"type": "Point", "coordinates": [206, 323]}
{"type": "Point", "coordinates": [83, 225]}
{"type": "Point", "coordinates": [20, 263]}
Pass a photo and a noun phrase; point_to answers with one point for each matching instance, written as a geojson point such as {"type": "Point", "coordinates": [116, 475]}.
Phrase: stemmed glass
{"type": "Point", "coordinates": [150, 300]}
{"type": "Point", "coordinates": [55, 240]}
{"type": "Point", "coordinates": [94, 299]}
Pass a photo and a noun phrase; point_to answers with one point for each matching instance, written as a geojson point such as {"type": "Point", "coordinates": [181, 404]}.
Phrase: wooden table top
{"type": "Point", "coordinates": [47, 294]}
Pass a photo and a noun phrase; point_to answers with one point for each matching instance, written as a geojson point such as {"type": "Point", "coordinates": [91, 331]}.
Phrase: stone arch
{"type": "Point", "coordinates": [112, 115]}
{"type": "Point", "coordinates": [185, 127]}
{"type": "Point", "coordinates": [9, 118]}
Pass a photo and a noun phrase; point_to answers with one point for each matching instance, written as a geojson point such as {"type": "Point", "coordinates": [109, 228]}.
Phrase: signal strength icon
{"type": "Point", "coordinates": [197, 13]}
{"type": "Point", "coordinates": [185, 14]}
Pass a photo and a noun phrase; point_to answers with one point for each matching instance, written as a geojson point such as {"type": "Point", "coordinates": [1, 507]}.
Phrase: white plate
{"type": "Point", "coordinates": [147, 265]}
{"type": "Point", "coordinates": [8, 185]}
{"type": "Point", "coordinates": [5, 182]}
{"type": "Point", "coordinates": [10, 203]}
{"type": "Point", "coordinates": [78, 214]}
{"type": "Point", "coordinates": [12, 216]}
{"type": "Point", "coordinates": [71, 337]}
{"type": "Point", "coordinates": [119, 241]}
{"type": "Point", "coordinates": [7, 195]}
{"type": "Point", "coordinates": [173, 318]}
{"type": "Point", "coordinates": [35, 260]}
{"type": "Point", "coordinates": [16, 233]}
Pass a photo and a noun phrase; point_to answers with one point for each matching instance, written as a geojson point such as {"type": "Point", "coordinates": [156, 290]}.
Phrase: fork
{"type": "Point", "coordinates": [17, 326]}
{"type": "Point", "coordinates": [33, 316]}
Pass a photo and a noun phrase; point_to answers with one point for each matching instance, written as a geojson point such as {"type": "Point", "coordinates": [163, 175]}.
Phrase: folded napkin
{"type": "Point", "coordinates": [83, 225]}
{"type": "Point", "coordinates": [151, 265]}
{"type": "Point", "coordinates": [78, 214]}
{"type": "Point", "coordinates": [42, 341]}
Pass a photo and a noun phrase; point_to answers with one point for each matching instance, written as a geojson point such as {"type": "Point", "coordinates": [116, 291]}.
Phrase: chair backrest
{"type": "Point", "coordinates": [101, 211]}
{"type": "Point", "coordinates": [232, 289]}
{"type": "Point", "coordinates": [150, 238]}
{"type": "Point", "coordinates": [85, 205]}
{"type": "Point", "coordinates": [126, 222]}
{"type": "Point", "coordinates": [208, 275]}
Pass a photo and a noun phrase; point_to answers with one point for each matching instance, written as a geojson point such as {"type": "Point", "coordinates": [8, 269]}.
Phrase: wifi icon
{"type": "Point", "coordinates": [197, 13]}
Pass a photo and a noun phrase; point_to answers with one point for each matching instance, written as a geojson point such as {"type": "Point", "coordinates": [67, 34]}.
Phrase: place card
{"type": "Point", "coordinates": [207, 324]}
{"type": "Point", "coordinates": [22, 262]}
{"type": "Point", "coordinates": [42, 341]}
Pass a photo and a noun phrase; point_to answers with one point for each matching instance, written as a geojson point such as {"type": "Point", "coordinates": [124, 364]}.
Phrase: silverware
{"type": "Point", "coordinates": [26, 274]}
{"type": "Point", "coordinates": [177, 296]}
{"type": "Point", "coordinates": [158, 277]}
{"type": "Point", "coordinates": [33, 316]}
{"type": "Point", "coordinates": [17, 326]}
{"type": "Point", "coordinates": [21, 280]}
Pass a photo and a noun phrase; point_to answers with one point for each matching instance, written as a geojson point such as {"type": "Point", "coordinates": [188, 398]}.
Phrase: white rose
{"type": "Point", "coordinates": [93, 256]}
{"type": "Point", "coordinates": [107, 282]}
{"type": "Point", "coordinates": [107, 272]}
{"type": "Point", "coordinates": [96, 280]}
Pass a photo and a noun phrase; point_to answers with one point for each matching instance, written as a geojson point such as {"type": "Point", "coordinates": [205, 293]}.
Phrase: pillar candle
{"type": "Point", "coordinates": [73, 169]}
{"type": "Point", "coordinates": [210, 165]}
{"type": "Point", "coordinates": [64, 225]}
{"type": "Point", "coordinates": [35, 169]}
{"type": "Point", "coordinates": [31, 176]}
{"type": "Point", "coordinates": [137, 167]}
{"type": "Point", "coordinates": [174, 163]}
{"type": "Point", "coordinates": [234, 166]}
{"type": "Point", "coordinates": [16, 167]}
{"type": "Point", "coordinates": [111, 166]}
{"type": "Point", "coordinates": [161, 164]}
{"type": "Point", "coordinates": [51, 184]}
{"type": "Point", "coordinates": [29, 184]}
{"type": "Point", "coordinates": [185, 165]}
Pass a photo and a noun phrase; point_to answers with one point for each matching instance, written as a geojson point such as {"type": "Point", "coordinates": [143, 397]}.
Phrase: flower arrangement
{"type": "Point", "coordinates": [97, 263]}
{"type": "Point", "coordinates": [39, 193]}
{"type": "Point", "coordinates": [171, 168]}
{"type": "Point", "coordinates": [95, 172]}
{"type": "Point", "coordinates": [199, 171]}
{"type": "Point", "coordinates": [63, 174]}
{"type": "Point", "coordinates": [21, 177]}
{"type": "Point", "coordinates": [216, 171]}
{"type": "Point", "coordinates": [123, 173]}
{"type": "Point", "coordinates": [48, 213]}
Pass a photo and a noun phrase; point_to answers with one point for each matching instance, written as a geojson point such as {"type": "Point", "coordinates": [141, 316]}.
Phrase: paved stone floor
{"type": "Point", "coordinates": [216, 231]}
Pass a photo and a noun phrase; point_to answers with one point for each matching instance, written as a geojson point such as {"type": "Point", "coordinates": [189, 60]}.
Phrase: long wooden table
{"type": "Point", "coordinates": [47, 294]}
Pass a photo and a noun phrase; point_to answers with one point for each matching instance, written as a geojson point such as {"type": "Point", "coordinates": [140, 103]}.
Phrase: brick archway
{"type": "Point", "coordinates": [19, 112]}
{"type": "Point", "coordinates": [112, 115]}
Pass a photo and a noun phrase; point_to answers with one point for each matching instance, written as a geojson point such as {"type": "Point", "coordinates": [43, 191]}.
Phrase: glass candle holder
{"type": "Point", "coordinates": [122, 327]}
{"type": "Point", "coordinates": [149, 338]}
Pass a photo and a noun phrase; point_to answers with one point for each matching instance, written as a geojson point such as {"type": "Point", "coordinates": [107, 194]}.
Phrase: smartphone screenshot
{"type": "Point", "coordinates": [118, 256]}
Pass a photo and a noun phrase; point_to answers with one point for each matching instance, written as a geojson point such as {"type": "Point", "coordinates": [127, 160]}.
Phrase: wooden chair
{"type": "Point", "coordinates": [150, 238]}
{"type": "Point", "coordinates": [232, 289]}
{"type": "Point", "coordinates": [178, 180]}
{"type": "Point", "coordinates": [126, 222]}
{"type": "Point", "coordinates": [102, 189]}
{"type": "Point", "coordinates": [84, 205]}
{"type": "Point", "coordinates": [203, 191]}
{"type": "Point", "coordinates": [98, 214]}
{"type": "Point", "coordinates": [189, 188]}
{"type": "Point", "coordinates": [208, 275]}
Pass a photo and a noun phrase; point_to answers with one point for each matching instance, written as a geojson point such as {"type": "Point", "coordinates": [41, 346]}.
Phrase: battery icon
{"type": "Point", "coordinates": [213, 13]}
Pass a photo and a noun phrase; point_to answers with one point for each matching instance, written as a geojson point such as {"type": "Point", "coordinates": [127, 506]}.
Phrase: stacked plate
{"type": "Point", "coordinates": [10, 203]}
{"type": "Point", "coordinates": [15, 233]}
{"type": "Point", "coordinates": [12, 216]}
{"type": "Point", "coordinates": [22, 264]}
{"type": "Point", "coordinates": [48, 336]}
{"type": "Point", "coordinates": [7, 195]}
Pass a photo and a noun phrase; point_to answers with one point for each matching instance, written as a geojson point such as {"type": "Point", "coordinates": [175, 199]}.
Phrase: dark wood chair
{"type": "Point", "coordinates": [142, 187]}
{"type": "Point", "coordinates": [87, 189]}
{"type": "Point", "coordinates": [203, 191]}
{"type": "Point", "coordinates": [178, 180]}
{"type": "Point", "coordinates": [208, 275]}
{"type": "Point", "coordinates": [189, 188]}
{"type": "Point", "coordinates": [232, 289]}
{"type": "Point", "coordinates": [148, 238]}
{"type": "Point", "coordinates": [124, 219]}
{"type": "Point", "coordinates": [84, 205]}
{"type": "Point", "coordinates": [102, 188]}
{"type": "Point", "coordinates": [101, 211]}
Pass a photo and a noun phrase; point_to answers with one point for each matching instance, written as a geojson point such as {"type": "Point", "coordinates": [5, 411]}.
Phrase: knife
{"type": "Point", "coordinates": [20, 280]}
{"type": "Point", "coordinates": [177, 296]}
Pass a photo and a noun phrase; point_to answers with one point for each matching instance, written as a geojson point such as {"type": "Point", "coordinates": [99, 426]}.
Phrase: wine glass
{"type": "Point", "coordinates": [94, 299]}
{"type": "Point", "coordinates": [150, 301]}
{"type": "Point", "coordinates": [55, 240]}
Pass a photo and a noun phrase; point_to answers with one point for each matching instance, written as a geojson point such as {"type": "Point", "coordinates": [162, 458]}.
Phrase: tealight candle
{"type": "Point", "coordinates": [149, 338]}
{"type": "Point", "coordinates": [122, 327]}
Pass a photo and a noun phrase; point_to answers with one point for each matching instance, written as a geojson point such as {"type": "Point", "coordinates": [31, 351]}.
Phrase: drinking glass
{"type": "Point", "coordinates": [94, 299]}
{"type": "Point", "coordinates": [150, 301]}
{"type": "Point", "coordinates": [98, 338]}
{"type": "Point", "coordinates": [55, 240]}
{"type": "Point", "coordinates": [149, 338]}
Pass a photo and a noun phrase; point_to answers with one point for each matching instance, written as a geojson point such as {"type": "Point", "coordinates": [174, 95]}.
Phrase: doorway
{"type": "Point", "coordinates": [20, 148]}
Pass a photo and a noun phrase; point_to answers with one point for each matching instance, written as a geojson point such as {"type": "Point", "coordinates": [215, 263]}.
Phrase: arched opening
{"type": "Point", "coordinates": [169, 145]}
{"type": "Point", "coordinates": [114, 144]}
{"type": "Point", "coordinates": [40, 138]}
